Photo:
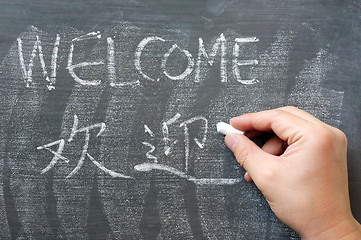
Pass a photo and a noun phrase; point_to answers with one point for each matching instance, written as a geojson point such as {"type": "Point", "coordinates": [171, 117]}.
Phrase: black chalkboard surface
{"type": "Point", "coordinates": [108, 111]}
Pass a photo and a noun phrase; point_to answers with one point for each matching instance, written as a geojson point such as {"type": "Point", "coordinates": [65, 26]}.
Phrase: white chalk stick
{"type": "Point", "coordinates": [225, 128]}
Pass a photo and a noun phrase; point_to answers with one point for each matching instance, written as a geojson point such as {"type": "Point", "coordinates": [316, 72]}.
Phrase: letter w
{"type": "Point", "coordinates": [37, 49]}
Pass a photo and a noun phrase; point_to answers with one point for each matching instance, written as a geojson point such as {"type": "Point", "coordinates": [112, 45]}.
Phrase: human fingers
{"type": "Point", "coordinates": [305, 115]}
{"type": "Point", "coordinates": [287, 126]}
{"type": "Point", "coordinates": [300, 113]}
{"type": "Point", "coordinates": [248, 177]}
{"type": "Point", "coordinates": [293, 110]}
{"type": "Point", "coordinates": [274, 146]}
{"type": "Point", "coordinates": [252, 134]}
{"type": "Point", "coordinates": [252, 158]}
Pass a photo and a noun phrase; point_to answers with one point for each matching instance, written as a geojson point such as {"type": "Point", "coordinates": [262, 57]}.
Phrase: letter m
{"type": "Point", "coordinates": [220, 43]}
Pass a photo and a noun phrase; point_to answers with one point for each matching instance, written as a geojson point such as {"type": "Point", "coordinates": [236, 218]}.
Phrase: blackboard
{"type": "Point", "coordinates": [108, 111]}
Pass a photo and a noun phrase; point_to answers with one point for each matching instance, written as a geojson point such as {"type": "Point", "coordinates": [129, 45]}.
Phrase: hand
{"type": "Point", "coordinates": [301, 171]}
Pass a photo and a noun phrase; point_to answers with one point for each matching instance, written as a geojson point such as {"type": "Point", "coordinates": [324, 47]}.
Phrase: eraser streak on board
{"type": "Point", "coordinates": [226, 128]}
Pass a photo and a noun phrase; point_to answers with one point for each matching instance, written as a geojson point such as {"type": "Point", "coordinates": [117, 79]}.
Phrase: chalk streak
{"type": "Point", "coordinates": [54, 58]}
{"type": "Point", "coordinates": [247, 40]}
{"type": "Point", "coordinates": [220, 42]}
{"type": "Point", "coordinates": [57, 154]}
{"type": "Point", "coordinates": [147, 167]}
{"type": "Point", "coordinates": [247, 62]}
{"type": "Point", "coordinates": [168, 149]}
{"type": "Point", "coordinates": [111, 67]}
{"type": "Point", "coordinates": [188, 69]}
{"type": "Point", "coordinates": [173, 119]}
{"type": "Point", "coordinates": [21, 59]}
{"type": "Point", "coordinates": [147, 130]}
{"type": "Point", "coordinates": [71, 68]}
{"type": "Point", "coordinates": [27, 74]}
{"type": "Point", "coordinates": [138, 54]}
{"type": "Point", "coordinates": [41, 58]}
{"type": "Point", "coordinates": [187, 140]}
{"type": "Point", "coordinates": [87, 36]}
{"type": "Point", "coordinates": [83, 154]}
{"type": "Point", "coordinates": [237, 63]}
{"type": "Point", "coordinates": [106, 170]}
{"type": "Point", "coordinates": [149, 153]}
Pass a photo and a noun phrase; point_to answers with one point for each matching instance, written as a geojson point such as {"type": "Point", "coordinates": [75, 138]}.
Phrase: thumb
{"type": "Point", "coordinates": [252, 158]}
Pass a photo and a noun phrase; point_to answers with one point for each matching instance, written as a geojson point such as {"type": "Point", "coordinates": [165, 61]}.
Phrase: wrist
{"type": "Point", "coordinates": [348, 229]}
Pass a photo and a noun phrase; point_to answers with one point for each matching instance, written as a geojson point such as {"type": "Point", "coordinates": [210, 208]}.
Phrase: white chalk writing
{"type": "Point", "coordinates": [149, 153]}
{"type": "Point", "coordinates": [144, 167]}
{"type": "Point", "coordinates": [220, 42]}
{"type": "Point", "coordinates": [168, 143]}
{"type": "Point", "coordinates": [186, 72]}
{"type": "Point", "coordinates": [37, 48]}
{"type": "Point", "coordinates": [220, 46]}
{"type": "Point", "coordinates": [168, 146]}
{"type": "Point", "coordinates": [147, 167]}
{"type": "Point", "coordinates": [138, 54]}
{"type": "Point", "coordinates": [75, 130]}
{"type": "Point", "coordinates": [237, 63]}
{"type": "Point", "coordinates": [186, 136]}
{"type": "Point", "coordinates": [71, 67]}
{"type": "Point", "coordinates": [111, 67]}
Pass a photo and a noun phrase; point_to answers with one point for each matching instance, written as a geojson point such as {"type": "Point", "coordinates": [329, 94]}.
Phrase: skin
{"type": "Point", "coordinates": [301, 171]}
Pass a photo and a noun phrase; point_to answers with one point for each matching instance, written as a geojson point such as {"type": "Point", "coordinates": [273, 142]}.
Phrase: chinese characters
{"type": "Point", "coordinates": [84, 153]}
{"type": "Point", "coordinates": [168, 146]}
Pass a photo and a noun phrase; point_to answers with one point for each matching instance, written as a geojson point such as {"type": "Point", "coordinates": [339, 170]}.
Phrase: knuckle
{"type": "Point", "coordinates": [328, 136]}
{"type": "Point", "coordinates": [290, 108]}
{"type": "Point", "coordinates": [341, 136]}
{"type": "Point", "coordinates": [278, 113]}
{"type": "Point", "coordinates": [324, 136]}
{"type": "Point", "coordinates": [324, 132]}
{"type": "Point", "coordinates": [241, 154]}
{"type": "Point", "coordinates": [269, 175]}
{"type": "Point", "coordinates": [248, 115]}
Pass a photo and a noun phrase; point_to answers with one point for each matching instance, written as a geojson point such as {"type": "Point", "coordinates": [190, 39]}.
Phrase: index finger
{"type": "Point", "coordinates": [302, 114]}
{"type": "Point", "coordinates": [285, 125]}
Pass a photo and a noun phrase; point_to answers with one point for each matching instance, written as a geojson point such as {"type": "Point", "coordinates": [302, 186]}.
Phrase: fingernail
{"type": "Point", "coordinates": [231, 141]}
{"type": "Point", "coordinates": [231, 120]}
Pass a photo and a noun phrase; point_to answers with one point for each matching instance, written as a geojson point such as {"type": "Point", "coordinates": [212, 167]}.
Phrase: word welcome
{"type": "Point", "coordinates": [203, 59]}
